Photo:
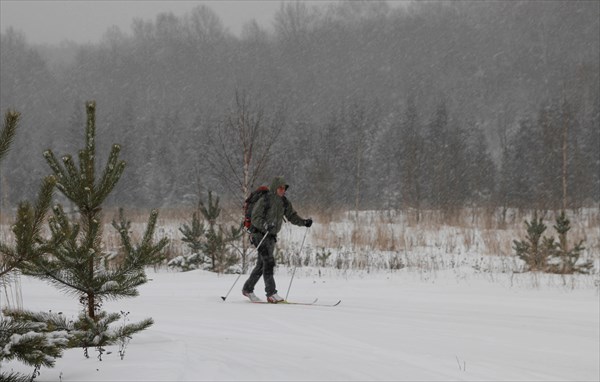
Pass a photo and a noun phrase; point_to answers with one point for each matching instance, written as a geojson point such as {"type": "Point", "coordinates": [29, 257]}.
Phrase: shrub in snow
{"type": "Point", "coordinates": [193, 235]}
{"type": "Point", "coordinates": [549, 255]}
{"type": "Point", "coordinates": [187, 262]}
{"type": "Point", "coordinates": [211, 246]}
{"type": "Point", "coordinates": [566, 260]}
{"type": "Point", "coordinates": [530, 250]}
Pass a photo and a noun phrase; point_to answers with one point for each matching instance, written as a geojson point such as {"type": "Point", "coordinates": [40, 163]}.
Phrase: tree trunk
{"type": "Point", "coordinates": [91, 301]}
{"type": "Point", "coordinates": [564, 157]}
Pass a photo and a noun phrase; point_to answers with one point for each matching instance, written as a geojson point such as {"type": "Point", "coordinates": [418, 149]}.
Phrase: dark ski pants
{"type": "Point", "coordinates": [265, 263]}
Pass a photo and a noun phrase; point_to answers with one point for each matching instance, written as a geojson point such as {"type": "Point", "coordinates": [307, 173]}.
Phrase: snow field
{"type": "Point", "coordinates": [389, 326]}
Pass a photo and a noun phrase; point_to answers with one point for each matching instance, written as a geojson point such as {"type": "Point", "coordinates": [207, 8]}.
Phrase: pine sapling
{"type": "Point", "coordinates": [208, 244]}
{"type": "Point", "coordinates": [567, 259]}
{"type": "Point", "coordinates": [193, 235]}
{"type": "Point", "coordinates": [32, 338]}
{"type": "Point", "coordinates": [76, 262]}
{"type": "Point", "coordinates": [530, 251]}
{"type": "Point", "coordinates": [217, 239]}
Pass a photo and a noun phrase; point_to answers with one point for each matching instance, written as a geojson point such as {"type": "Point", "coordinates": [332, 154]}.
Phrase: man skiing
{"type": "Point", "coordinates": [267, 216]}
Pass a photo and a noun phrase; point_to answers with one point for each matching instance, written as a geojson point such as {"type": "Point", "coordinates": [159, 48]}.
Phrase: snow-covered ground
{"type": "Point", "coordinates": [410, 324]}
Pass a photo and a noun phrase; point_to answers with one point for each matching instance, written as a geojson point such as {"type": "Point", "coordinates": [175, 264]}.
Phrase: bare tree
{"type": "Point", "coordinates": [410, 154]}
{"type": "Point", "coordinates": [566, 121]}
{"type": "Point", "coordinates": [242, 147]}
{"type": "Point", "coordinates": [294, 20]}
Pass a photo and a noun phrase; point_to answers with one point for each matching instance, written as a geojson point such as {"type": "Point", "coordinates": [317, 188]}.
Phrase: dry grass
{"type": "Point", "coordinates": [475, 231]}
{"type": "Point", "coordinates": [484, 231]}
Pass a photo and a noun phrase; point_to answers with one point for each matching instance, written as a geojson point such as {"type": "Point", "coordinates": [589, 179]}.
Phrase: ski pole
{"type": "Point", "coordinates": [295, 266]}
{"type": "Point", "coordinates": [240, 274]}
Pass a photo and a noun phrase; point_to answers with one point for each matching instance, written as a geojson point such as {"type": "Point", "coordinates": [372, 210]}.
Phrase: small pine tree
{"type": "Point", "coordinates": [531, 252]}
{"type": "Point", "coordinates": [217, 239]}
{"type": "Point", "coordinates": [27, 227]}
{"type": "Point", "coordinates": [208, 245]}
{"type": "Point", "coordinates": [567, 260]}
{"type": "Point", "coordinates": [193, 236]}
{"type": "Point", "coordinates": [551, 255]}
{"type": "Point", "coordinates": [29, 218]}
{"type": "Point", "coordinates": [76, 262]}
{"type": "Point", "coordinates": [36, 341]}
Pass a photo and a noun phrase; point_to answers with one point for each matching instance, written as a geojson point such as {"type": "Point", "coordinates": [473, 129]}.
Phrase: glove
{"type": "Point", "coordinates": [307, 222]}
{"type": "Point", "coordinates": [269, 227]}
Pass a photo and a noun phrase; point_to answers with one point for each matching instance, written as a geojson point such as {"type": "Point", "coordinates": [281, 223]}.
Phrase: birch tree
{"type": "Point", "coordinates": [242, 148]}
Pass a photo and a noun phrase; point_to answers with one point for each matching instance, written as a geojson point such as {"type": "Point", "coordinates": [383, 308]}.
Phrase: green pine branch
{"type": "Point", "coordinates": [79, 184]}
{"type": "Point", "coordinates": [35, 339]}
{"type": "Point", "coordinates": [123, 226]}
{"type": "Point", "coordinates": [146, 252]}
{"type": "Point", "coordinates": [193, 234]}
{"type": "Point", "coordinates": [9, 131]}
{"type": "Point", "coordinates": [212, 211]}
{"type": "Point", "coordinates": [14, 377]}
{"type": "Point", "coordinates": [97, 332]}
{"type": "Point", "coordinates": [28, 224]}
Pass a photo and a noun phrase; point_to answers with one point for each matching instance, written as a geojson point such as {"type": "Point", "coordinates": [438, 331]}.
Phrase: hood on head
{"type": "Point", "coordinates": [277, 182]}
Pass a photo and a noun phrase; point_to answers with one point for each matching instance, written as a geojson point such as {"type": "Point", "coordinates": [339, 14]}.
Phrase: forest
{"type": "Point", "coordinates": [359, 105]}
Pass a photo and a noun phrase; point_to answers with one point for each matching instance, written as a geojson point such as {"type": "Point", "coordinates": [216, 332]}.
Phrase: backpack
{"type": "Point", "coordinates": [249, 205]}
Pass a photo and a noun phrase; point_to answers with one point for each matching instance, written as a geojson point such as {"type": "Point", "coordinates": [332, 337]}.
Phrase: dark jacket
{"type": "Point", "coordinates": [270, 213]}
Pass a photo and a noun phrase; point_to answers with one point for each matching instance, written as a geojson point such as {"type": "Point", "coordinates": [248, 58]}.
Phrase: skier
{"type": "Point", "coordinates": [267, 217]}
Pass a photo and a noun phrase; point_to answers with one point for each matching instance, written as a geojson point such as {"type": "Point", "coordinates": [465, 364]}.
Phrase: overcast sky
{"type": "Point", "coordinates": [53, 21]}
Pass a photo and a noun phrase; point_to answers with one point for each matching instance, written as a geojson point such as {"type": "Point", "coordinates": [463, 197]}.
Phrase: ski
{"type": "Point", "coordinates": [313, 303]}
{"type": "Point", "coordinates": [287, 302]}
{"type": "Point", "coordinates": [331, 305]}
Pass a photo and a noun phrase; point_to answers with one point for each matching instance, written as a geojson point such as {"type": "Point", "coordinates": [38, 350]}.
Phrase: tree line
{"type": "Point", "coordinates": [364, 104]}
